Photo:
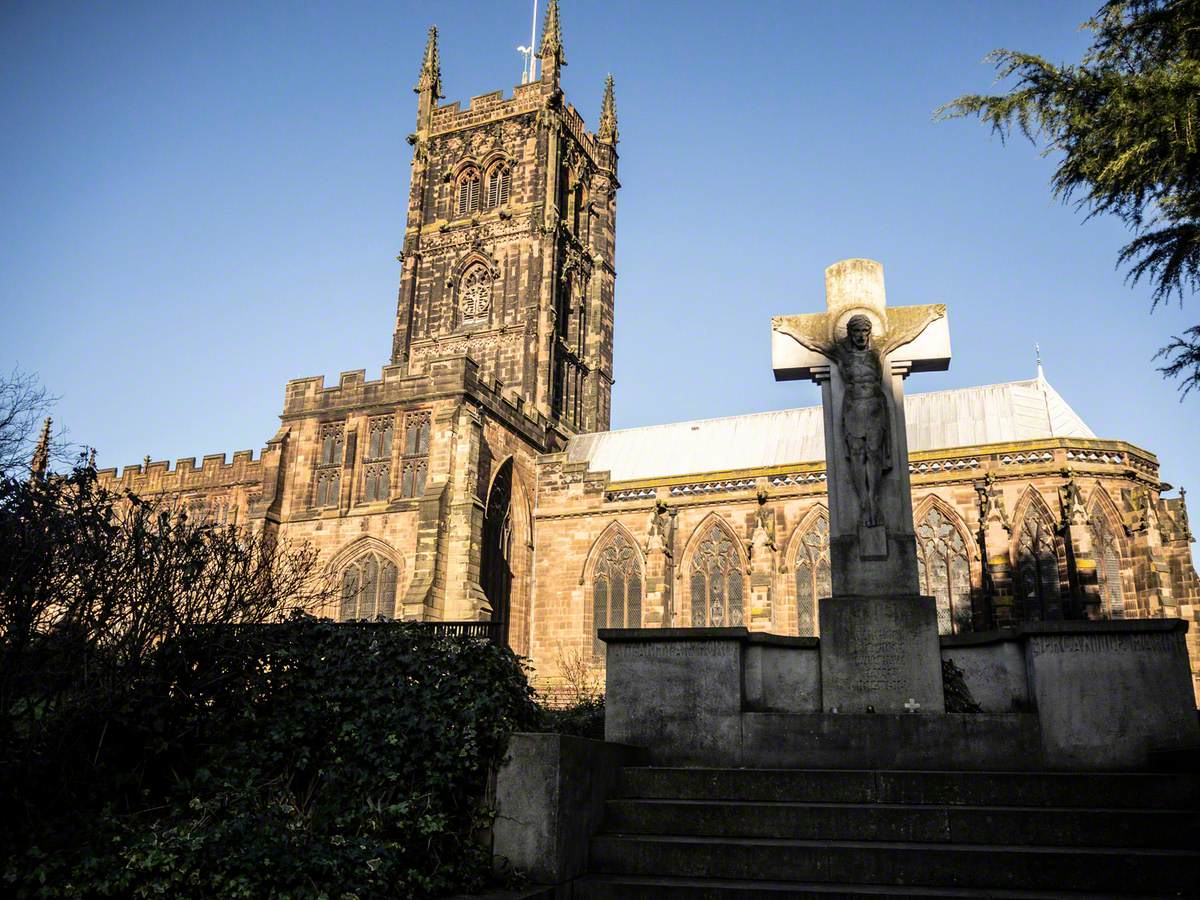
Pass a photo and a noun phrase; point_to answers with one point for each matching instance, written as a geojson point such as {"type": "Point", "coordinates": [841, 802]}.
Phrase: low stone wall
{"type": "Point", "coordinates": [550, 794]}
{"type": "Point", "coordinates": [1106, 693]}
{"type": "Point", "coordinates": [1067, 695]}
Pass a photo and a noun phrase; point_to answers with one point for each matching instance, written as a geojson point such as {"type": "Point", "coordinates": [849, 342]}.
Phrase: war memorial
{"type": "Point", "coordinates": [742, 763]}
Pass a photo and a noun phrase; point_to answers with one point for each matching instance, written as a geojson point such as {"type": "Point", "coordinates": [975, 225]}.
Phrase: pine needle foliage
{"type": "Point", "coordinates": [1123, 124]}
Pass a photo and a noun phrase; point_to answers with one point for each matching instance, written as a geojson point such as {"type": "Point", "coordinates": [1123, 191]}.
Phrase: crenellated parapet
{"type": "Point", "coordinates": [454, 376]}
{"type": "Point", "coordinates": [159, 477]}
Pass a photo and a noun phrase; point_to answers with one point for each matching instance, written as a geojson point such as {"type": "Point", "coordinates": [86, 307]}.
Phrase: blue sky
{"type": "Point", "coordinates": [199, 201]}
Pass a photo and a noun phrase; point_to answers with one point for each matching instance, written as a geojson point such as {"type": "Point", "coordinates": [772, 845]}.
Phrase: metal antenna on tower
{"type": "Point", "coordinates": [529, 69]}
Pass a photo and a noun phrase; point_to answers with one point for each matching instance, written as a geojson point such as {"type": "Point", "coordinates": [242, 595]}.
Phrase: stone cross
{"type": "Point", "coordinates": [860, 351]}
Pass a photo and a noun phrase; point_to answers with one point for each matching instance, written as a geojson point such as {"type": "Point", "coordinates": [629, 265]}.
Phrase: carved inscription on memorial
{"type": "Point", "coordinates": [877, 660]}
{"type": "Point", "coordinates": [1102, 643]}
{"type": "Point", "coordinates": [676, 651]}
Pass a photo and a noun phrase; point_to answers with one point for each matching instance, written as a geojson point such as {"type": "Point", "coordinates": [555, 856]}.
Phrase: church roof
{"type": "Point", "coordinates": [962, 417]}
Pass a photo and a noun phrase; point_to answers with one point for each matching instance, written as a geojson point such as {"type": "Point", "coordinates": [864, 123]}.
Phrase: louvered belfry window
{"type": "Point", "coordinates": [368, 588]}
{"type": "Point", "coordinates": [716, 581]}
{"type": "Point", "coordinates": [616, 589]}
{"type": "Point", "coordinates": [468, 192]}
{"type": "Point", "coordinates": [944, 571]}
{"type": "Point", "coordinates": [499, 185]}
{"type": "Point", "coordinates": [812, 576]}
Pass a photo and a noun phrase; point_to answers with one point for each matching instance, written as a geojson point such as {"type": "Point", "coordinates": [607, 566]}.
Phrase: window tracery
{"type": "Point", "coordinates": [1037, 584]}
{"type": "Point", "coordinates": [812, 576]}
{"type": "Point", "coordinates": [332, 447]}
{"type": "Point", "coordinates": [616, 589]}
{"type": "Point", "coordinates": [1107, 552]}
{"type": "Point", "coordinates": [415, 464]}
{"type": "Point", "coordinates": [944, 571]}
{"type": "Point", "coordinates": [377, 469]}
{"type": "Point", "coordinates": [368, 588]}
{"type": "Point", "coordinates": [716, 581]}
{"type": "Point", "coordinates": [475, 294]}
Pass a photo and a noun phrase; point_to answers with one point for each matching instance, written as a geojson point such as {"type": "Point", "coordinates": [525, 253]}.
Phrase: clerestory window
{"type": "Point", "coordinates": [415, 464]}
{"type": "Point", "coordinates": [331, 446]}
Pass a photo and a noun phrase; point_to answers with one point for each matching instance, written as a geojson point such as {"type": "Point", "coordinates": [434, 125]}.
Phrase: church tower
{"type": "Point", "coordinates": [509, 241]}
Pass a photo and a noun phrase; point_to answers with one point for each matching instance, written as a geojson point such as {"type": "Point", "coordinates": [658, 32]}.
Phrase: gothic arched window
{"type": "Point", "coordinates": [944, 571]}
{"type": "Point", "coordinates": [1107, 553]}
{"type": "Point", "coordinates": [812, 576]}
{"type": "Point", "coordinates": [1037, 586]}
{"type": "Point", "coordinates": [499, 185]}
{"type": "Point", "coordinates": [475, 295]}
{"type": "Point", "coordinates": [616, 589]}
{"type": "Point", "coordinates": [468, 192]}
{"type": "Point", "coordinates": [716, 580]}
{"type": "Point", "coordinates": [368, 588]}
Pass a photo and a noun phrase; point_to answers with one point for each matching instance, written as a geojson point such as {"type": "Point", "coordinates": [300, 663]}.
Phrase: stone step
{"type": "Point", "coordinates": [1010, 789]}
{"type": "Point", "coordinates": [1022, 825]}
{"type": "Point", "coordinates": [624, 887]}
{"type": "Point", "coordinates": [898, 863]}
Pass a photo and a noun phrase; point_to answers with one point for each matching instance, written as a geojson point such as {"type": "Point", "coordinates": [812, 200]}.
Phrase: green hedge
{"type": "Point", "coordinates": [306, 759]}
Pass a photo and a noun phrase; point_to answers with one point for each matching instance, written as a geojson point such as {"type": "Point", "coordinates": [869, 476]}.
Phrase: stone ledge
{"type": "Point", "coordinates": [1023, 632]}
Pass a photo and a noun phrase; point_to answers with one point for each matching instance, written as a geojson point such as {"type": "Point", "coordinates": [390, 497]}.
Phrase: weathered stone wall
{"type": "Point", "coordinates": [984, 494]}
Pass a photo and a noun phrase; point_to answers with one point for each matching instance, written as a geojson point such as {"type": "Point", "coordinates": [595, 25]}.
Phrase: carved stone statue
{"type": "Point", "coordinates": [866, 416]}
{"type": "Point", "coordinates": [660, 529]}
{"type": "Point", "coordinates": [1074, 512]}
{"type": "Point", "coordinates": [866, 423]}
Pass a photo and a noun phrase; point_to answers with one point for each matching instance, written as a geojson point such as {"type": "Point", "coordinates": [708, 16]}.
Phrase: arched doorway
{"type": "Point", "coordinates": [496, 567]}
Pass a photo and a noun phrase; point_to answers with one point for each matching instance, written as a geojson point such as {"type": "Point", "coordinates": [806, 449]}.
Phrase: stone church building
{"type": "Point", "coordinates": [476, 479]}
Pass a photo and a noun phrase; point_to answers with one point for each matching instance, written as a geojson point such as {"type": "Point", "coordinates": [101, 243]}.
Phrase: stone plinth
{"type": "Point", "coordinates": [550, 794]}
{"type": "Point", "coordinates": [880, 654]}
{"type": "Point", "coordinates": [678, 689]}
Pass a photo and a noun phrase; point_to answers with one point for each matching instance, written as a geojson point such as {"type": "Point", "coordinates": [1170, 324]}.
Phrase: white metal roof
{"type": "Point", "coordinates": [989, 414]}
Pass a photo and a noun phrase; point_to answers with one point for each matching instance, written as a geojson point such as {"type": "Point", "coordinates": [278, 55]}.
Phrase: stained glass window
{"type": "Point", "coordinates": [716, 580]}
{"type": "Point", "coordinates": [1107, 553]}
{"type": "Point", "coordinates": [329, 484]}
{"type": "Point", "coordinates": [379, 446]}
{"type": "Point", "coordinates": [415, 466]}
{"type": "Point", "coordinates": [1036, 584]}
{"type": "Point", "coordinates": [812, 576]}
{"type": "Point", "coordinates": [944, 571]}
{"type": "Point", "coordinates": [616, 589]}
{"type": "Point", "coordinates": [333, 439]}
{"type": "Point", "coordinates": [368, 588]}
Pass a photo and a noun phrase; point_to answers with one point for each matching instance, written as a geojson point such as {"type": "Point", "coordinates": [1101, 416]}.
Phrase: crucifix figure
{"type": "Point", "coordinates": [860, 351]}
